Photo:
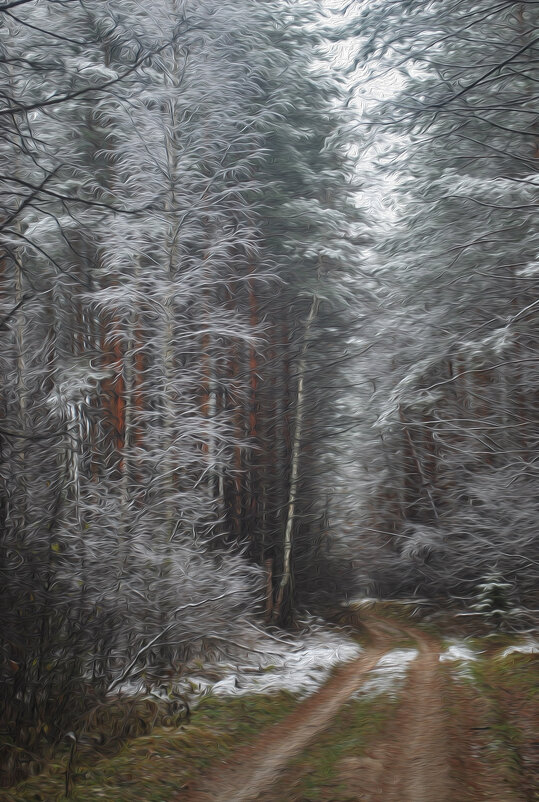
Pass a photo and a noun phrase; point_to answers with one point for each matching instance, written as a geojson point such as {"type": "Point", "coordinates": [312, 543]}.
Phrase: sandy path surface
{"type": "Point", "coordinates": [423, 748]}
{"type": "Point", "coordinates": [251, 771]}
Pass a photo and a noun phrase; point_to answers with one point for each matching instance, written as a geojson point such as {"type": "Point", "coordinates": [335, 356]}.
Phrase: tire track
{"type": "Point", "coordinates": [416, 760]}
{"type": "Point", "coordinates": [412, 761]}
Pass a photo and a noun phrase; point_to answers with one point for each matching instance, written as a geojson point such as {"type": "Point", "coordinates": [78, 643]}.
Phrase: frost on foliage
{"type": "Point", "coordinates": [300, 666]}
{"type": "Point", "coordinates": [408, 392]}
{"type": "Point", "coordinates": [75, 382]}
{"type": "Point", "coordinates": [492, 600]}
{"type": "Point", "coordinates": [530, 271]}
{"type": "Point", "coordinates": [494, 343]}
{"type": "Point", "coordinates": [421, 541]}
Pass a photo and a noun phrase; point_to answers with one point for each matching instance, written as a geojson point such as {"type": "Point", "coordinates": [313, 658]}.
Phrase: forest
{"type": "Point", "coordinates": [268, 330]}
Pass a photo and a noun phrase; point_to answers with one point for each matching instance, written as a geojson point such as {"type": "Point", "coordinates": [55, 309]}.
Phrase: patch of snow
{"type": "Point", "coordinates": [529, 647]}
{"type": "Point", "coordinates": [301, 667]}
{"type": "Point", "coordinates": [360, 601]}
{"type": "Point", "coordinates": [458, 650]}
{"type": "Point", "coordinates": [226, 687]}
{"type": "Point", "coordinates": [389, 673]}
{"type": "Point", "coordinates": [415, 602]}
{"type": "Point", "coordinates": [130, 688]}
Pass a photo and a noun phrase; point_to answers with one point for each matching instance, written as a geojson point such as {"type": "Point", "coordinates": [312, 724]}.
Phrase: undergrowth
{"type": "Point", "coordinates": [152, 768]}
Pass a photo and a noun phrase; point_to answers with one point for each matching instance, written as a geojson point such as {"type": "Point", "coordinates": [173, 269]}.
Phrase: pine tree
{"type": "Point", "coordinates": [492, 600]}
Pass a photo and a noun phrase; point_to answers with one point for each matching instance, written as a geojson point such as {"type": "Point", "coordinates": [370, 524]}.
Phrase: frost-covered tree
{"type": "Point", "coordinates": [105, 441]}
{"type": "Point", "coordinates": [452, 395]}
{"type": "Point", "coordinates": [492, 600]}
{"type": "Point", "coordinates": [173, 238]}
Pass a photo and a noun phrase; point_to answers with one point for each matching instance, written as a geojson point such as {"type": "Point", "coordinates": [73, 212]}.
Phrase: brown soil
{"type": "Point", "coordinates": [434, 750]}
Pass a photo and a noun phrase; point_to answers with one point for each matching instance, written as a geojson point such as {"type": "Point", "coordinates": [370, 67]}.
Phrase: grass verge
{"type": "Point", "coordinates": [511, 690]}
{"type": "Point", "coordinates": [152, 768]}
{"type": "Point", "coordinates": [494, 708]}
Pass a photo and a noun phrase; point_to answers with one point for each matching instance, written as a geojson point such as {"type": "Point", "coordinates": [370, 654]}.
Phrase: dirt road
{"type": "Point", "coordinates": [428, 752]}
{"type": "Point", "coordinates": [410, 761]}
{"type": "Point", "coordinates": [252, 771]}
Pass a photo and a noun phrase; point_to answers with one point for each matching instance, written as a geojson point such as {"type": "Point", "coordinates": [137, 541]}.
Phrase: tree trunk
{"type": "Point", "coordinates": [286, 576]}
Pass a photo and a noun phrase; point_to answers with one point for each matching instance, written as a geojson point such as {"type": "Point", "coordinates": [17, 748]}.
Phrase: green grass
{"type": "Point", "coordinates": [153, 767]}
{"type": "Point", "coordinates": [355, 727]}
{"type": "Point", "coordinates": [509, 685]}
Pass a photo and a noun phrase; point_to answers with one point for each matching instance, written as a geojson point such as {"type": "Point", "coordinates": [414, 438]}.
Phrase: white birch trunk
{"type": "Point", "coordinates": [296, 453]}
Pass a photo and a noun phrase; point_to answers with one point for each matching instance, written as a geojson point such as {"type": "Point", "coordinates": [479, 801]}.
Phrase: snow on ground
{"type": "Point", "coordinates": [389, 674]}
{"type": "Point", "coordinates": [458, 650]}
{"type": "Point", "coordinates": [530, 646]}
{"type": "Point", "coordinates": [300, 665]}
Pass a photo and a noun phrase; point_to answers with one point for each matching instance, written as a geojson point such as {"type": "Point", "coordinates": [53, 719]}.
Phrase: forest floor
{"type": "Point", "coordinates": [450, 730]}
